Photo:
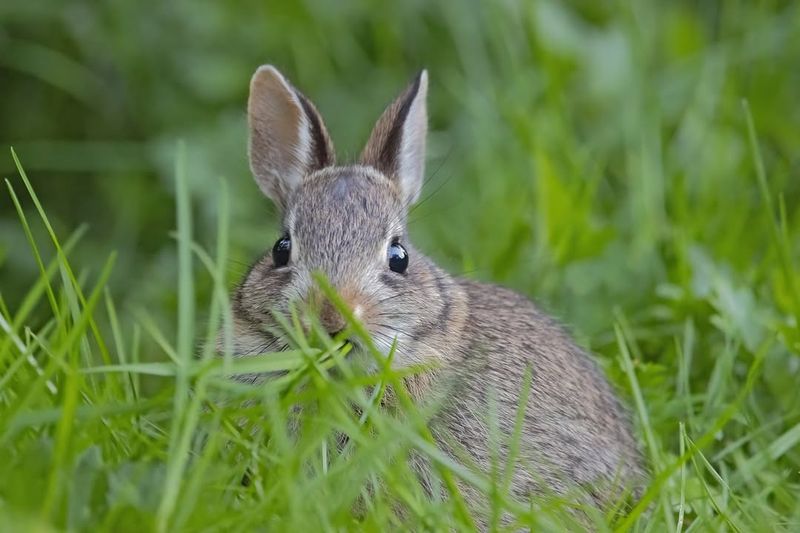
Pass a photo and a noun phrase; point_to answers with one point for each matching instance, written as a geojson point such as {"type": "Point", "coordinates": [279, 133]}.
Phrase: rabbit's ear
{"type": "Point", "coordinates": [396, 146]}
{"type": "Point", "coordinates": [288, 140]}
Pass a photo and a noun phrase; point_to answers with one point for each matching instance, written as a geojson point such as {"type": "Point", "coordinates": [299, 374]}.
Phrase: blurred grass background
{"type": "Point", "coordinates": [578, 152]}
{"type": "Point", "coordinates": [593, 155]}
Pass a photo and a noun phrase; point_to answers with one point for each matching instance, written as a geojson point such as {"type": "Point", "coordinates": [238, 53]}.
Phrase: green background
{"type": "Point", "coordinates": [576, 153]}
{"type": "Point", "coordinates": [592, 155]}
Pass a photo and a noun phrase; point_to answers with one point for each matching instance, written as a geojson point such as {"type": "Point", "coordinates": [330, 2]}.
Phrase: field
{"type": "Point", "coordinates": [630, 166]}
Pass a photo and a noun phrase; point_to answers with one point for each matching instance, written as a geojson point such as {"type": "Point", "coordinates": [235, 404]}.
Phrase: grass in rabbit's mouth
{"type": "Point", "coordinates": [596, 156]}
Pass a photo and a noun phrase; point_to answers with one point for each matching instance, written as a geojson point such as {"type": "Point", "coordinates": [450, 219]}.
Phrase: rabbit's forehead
{"type": "Point", "coordinates": [345, 208]}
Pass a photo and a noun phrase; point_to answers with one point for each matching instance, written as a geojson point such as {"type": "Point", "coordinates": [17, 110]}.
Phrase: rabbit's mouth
{"type": "Point", "coordinates": [349, 344]}
{"type": "Point", "coordinates": [336, 334]}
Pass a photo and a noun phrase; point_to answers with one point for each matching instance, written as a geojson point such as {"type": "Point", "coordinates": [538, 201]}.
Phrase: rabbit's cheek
{"type": "Point", "coordinates": [299, 288]}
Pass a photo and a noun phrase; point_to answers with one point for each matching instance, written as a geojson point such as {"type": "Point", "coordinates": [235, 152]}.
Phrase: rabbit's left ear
{"type": "Point", "coordinates": [396, 146]}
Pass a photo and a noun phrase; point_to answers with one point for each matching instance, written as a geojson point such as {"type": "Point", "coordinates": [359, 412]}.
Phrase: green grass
{"type": "Point", "coordinates": [632, 166]}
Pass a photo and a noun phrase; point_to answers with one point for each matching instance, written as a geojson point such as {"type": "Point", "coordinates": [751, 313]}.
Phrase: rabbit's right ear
{"type": "Point", "coordinates": [288, 140]}
{"type": "Point", "coordinates": [396, 145]}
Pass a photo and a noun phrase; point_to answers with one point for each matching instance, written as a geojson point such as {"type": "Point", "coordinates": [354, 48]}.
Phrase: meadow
{"type": "Point", "coordinates": [630, 166]}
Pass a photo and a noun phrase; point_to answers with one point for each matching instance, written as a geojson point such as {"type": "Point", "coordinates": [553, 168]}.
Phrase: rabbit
{"type": "Point", "coordinates": [349, 222]}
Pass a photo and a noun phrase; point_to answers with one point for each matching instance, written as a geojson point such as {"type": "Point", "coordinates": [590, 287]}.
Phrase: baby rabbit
{"type": "Point", "coordinates": [349, 222]}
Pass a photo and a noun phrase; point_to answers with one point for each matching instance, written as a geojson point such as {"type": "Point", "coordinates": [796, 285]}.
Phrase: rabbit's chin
{"type": "Point", "coordinates": [399, 349]}
{"type": "Point", "coordinates": [404, 350]}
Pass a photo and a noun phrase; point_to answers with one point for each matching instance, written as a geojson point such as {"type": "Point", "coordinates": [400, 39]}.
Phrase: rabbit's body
{"type": "Point", "coordinates": [349, 223]}
{"type": "Point", "coordinates": [574, 433]}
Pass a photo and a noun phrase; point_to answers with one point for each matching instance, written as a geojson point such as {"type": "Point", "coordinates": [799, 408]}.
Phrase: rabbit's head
{"type": "Point", "coordinates": [347, 222]}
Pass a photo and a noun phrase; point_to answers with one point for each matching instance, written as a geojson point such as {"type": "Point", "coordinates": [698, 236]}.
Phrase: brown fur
{"type": "Point", "coordinates": [481, 337]}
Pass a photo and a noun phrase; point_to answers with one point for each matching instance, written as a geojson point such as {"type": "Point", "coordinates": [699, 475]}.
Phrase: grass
{"type": "Point", "coordinates": [630, 165]}
{"type": "Point", "coordinates": [88, 449]}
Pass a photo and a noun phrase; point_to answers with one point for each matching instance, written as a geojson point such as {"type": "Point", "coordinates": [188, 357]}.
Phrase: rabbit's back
{"type": "Point", "coordinates": [575, 432]}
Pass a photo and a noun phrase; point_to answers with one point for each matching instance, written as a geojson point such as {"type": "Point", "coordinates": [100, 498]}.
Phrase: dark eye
{"type": "Point", "coordinates": [398, 258]}
{"type": "Point", "coordinates": [281, 251]}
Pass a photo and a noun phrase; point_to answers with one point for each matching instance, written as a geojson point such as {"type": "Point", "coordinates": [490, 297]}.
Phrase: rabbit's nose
{"type": "Point", "coordinates": [331, 319]}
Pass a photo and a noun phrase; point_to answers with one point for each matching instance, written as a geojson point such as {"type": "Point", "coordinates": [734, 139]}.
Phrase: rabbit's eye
{"type": "Point", "coordinates": [398, 258]}
{"type": "Point", "coordinates": [281, 251]}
